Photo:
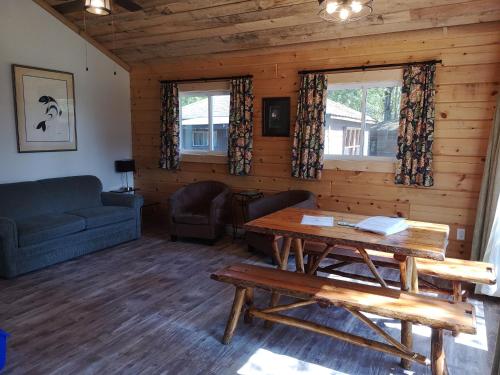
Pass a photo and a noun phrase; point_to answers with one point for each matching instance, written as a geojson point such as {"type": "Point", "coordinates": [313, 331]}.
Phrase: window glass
{"type": "Point", "coordinates": [204, 118]}
{"type": "Point", "coordinates": [343, 117]}
{"type": "Point", "coordinates": [382, 119]}
{"type": "Point", "coordinates": [220, 122]}
{"type": "Point", "coordinates": [362, 119]}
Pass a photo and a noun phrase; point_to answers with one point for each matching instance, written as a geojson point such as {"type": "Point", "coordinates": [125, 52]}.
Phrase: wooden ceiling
{"type": "Point", "coordinates": [171, 28]}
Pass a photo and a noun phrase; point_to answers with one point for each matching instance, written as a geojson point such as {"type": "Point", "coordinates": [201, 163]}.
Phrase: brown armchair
{"type": "Point", "coordinates": [198, 210]}
{"type": "Point", "coordinates": [266, 205]}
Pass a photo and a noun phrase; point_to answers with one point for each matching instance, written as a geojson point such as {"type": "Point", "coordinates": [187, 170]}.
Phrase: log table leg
{"type": "Point", "coordinates": [239, 297]}
{"type": "Point", "coordinates": [457, 291]}
{"type": "Point", "coordinates": [407, 276]}
{"type": "Point", "coordinates": [282, 265]}
{"type": "Point", "coordinates": [438, 359]}
{"type": "Point", "coordinates": [276, 252]}
{"type": "Point", "coordinates": [299, 255]}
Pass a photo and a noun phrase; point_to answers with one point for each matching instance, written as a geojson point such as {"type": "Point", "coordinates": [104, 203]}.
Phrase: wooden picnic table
{"type": "Point", "coordinates": [420, 240]}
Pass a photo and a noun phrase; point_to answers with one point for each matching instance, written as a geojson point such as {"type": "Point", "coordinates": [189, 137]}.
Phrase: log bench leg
{"type": "Point", "coordinates": [239, 297]}
{"type": "Point", "coordinates": [438, 359]}
{"type": "Point", "coordinates": [405, 270]}
{"type": "Point", "coordinates": [457, 297]}
{"type": "Point", "coordinates": [248, 305]}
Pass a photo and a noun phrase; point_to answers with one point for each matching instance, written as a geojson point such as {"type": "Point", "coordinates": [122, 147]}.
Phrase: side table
{"type": "Point", "coordinates": [239, 205]}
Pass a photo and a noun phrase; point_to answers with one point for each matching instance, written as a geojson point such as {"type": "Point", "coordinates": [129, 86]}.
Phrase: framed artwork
{"type": "Point", "coordinates": [45, 109]}
{"type": "Point", "coordinates": [276, 117]}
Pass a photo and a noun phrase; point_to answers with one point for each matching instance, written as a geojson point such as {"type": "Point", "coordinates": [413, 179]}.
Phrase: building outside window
{"type": "Point", "coordinates": [362, 117]}
{"type": "Point", "coordinates": [204, 121]}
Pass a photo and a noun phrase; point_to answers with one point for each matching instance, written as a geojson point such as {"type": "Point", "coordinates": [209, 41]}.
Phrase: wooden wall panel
{"type": "Point", "coordinates": [468, 83]}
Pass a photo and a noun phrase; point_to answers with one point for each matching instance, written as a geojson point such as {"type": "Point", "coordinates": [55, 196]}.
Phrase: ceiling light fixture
{"type": "Point", "coordinates": [98, 7]}
{"type": "Point", "coordinates": [345, 10]}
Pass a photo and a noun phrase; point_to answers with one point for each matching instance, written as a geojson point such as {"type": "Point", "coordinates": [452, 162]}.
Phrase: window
{"type": "Point", "coordinates": [362, 118]}
{"type": "Point", "coordinates": [204, 121]}
{"type": "Point", "coordinates": [200, 137]}
{"type": "Point", "coordinates": [352, 141]}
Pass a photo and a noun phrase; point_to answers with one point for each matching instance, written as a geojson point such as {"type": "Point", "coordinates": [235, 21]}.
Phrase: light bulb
{"type": "Point", "coordinates": [344, 14]}
{"type": "Point", "coordinates": [356, 6]}
{"type": "Point", "coordinates": [331, 7]}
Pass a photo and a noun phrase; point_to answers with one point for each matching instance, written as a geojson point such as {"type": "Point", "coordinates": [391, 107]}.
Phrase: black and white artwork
{"type": "Point", "coordinates": [45, 110]}
{"type": "Point", "coordinates": [276, 117]}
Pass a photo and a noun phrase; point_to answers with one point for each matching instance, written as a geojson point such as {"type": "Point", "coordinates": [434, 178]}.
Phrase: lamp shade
{"type": "Point", "coordinates": [126, 165]}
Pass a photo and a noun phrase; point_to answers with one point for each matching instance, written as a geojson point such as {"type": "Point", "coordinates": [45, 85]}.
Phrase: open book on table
{"type": "Point", "coordinates": [383, 225]}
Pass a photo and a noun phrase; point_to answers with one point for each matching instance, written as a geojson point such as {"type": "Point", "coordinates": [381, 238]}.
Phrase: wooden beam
{"type": "Point", "coordinates": [46, 6]}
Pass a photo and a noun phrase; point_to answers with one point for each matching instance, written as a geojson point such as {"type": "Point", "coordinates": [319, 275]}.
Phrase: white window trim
{"type": "Point", "coordinates": [209, 93]}
{"type": "Point", "coordinates": [362, 85]}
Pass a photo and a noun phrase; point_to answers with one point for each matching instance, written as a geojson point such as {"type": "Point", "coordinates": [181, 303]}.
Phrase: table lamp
{"type": "Point", "coordinates": [125, 166]}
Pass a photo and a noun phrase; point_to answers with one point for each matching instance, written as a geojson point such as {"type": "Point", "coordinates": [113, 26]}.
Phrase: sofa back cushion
{"type": "Point", "coordinates": [73, 193]}
{"type": "Point", "coordinates": [24, 199]}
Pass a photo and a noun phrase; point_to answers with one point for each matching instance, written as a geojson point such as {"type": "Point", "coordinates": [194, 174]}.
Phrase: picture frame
{"type": "Point", "coordinates": [276, 117]}
{"type": "Point", "coordinates": [45, 109]}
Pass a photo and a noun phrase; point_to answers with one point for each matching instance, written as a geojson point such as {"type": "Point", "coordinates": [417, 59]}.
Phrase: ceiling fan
{"type": "Point", "coordinates": [79, 5]}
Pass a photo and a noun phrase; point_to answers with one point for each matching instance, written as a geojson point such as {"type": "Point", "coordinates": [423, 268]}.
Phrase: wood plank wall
{"type": "Point", "coordinates": [468, 83]}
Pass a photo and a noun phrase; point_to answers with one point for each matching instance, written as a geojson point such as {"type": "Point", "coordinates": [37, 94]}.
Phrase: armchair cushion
{"type": "Point", "coordinates": [104, 215]}
{"type": "Point", "coordinates": [197, 210]}
{"type": "Point", "coordinates": [42, 228]}
{"type": "Point", "coordinates": [191, 218]}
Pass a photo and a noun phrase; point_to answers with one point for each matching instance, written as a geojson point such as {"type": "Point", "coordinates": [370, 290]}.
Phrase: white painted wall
{"type": "Point", "coordinates": [30, 36]}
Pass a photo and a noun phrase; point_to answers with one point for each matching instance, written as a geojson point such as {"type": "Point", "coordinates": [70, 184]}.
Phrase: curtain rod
{"type": "Point", "coordinates": [368, 67]}
{"type": "Point", "coordinates": [204, 79]}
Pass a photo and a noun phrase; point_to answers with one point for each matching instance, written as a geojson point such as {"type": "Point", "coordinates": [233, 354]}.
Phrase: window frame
{"type": "Point", "coordinates": [209, 94]}
{"type": "Point", "coordinates": [363, 86]}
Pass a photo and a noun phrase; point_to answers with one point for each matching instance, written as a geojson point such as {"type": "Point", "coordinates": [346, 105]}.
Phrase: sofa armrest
{"type": "Point", "coordinates": [8, 246]}
{"type": "Point", "coordinates": [118, 199]}
{"type": "Point", "coordinates": [264, 206]}
{"type": "Point", "coordinates": [310, 202]}
{"type": "Point", "coordinates": [126, 200]}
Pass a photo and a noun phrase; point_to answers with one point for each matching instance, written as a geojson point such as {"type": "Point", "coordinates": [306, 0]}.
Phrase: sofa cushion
{"type": "Point", "coordinates": [104, 215]}
{"type": "Point", "coordinates": [42, 228]}
{"type": "Point", "coordinates": [21, 200]}
{"type": "Point", "coordinates": [193, 218]}
{"type": "Point", "coordinates": [73, 193]}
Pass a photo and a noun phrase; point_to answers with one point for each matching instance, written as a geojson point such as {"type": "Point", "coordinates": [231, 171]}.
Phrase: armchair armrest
{"type": "Point", "coordinates": [176, 201]}
{"type": "Point", "coordinates": [8, 246]}
{"type": "Point", "coordinates": [218, 203]}
{"type": "Point", "coordinates": [126, 200]}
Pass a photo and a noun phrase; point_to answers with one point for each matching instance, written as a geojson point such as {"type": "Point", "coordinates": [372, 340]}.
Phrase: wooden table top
{"type": "Point", "coordinates": [421, 240]}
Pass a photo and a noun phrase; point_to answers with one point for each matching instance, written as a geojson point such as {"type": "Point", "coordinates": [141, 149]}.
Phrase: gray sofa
{"type": "Point", "coordinates": [49, 221]}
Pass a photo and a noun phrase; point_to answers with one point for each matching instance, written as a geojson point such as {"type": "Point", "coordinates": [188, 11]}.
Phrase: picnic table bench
{"type": "Point", "coordinates": [358, 299]}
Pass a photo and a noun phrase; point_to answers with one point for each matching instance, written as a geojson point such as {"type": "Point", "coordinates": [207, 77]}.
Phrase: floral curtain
{"type": "Point", "coordinates": [240, 138]}
{"type": "Point", "coordinates": [416, 126]}
{"type": "Point", "coordinates": [169, 126]}
{"type": "Point", "coordinates": [309, 133]}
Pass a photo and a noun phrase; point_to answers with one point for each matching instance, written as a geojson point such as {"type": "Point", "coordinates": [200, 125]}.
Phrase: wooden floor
{"type": "Point", "coordinates": [149, 307]}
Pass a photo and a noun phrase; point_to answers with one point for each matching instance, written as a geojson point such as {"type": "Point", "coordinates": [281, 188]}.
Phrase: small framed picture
{"type": "Point", "coordinates": [45, 109]}
{"type": "Point", "coordinates": [276, 117]}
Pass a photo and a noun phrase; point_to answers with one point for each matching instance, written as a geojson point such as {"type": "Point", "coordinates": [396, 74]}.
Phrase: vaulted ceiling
{"type": "Point", "coordinates": [168, 28]}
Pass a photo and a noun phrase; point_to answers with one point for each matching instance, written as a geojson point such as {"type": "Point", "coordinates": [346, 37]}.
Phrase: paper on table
{"type": "Point", "coordinates": [320, 221]}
